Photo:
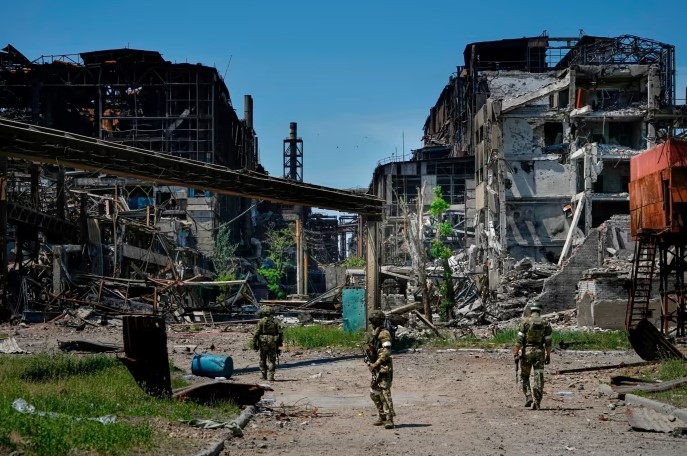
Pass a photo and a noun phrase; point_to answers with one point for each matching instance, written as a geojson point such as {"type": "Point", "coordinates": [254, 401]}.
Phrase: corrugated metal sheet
{"type": "Point", "coordinates": [648, 208]}
{"type": "Point", "coordinates": [667, 155]}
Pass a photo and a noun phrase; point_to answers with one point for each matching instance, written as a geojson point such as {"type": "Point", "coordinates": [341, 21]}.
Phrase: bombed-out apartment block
{"type": "Point", "coordinates": [552, 124]}
{"type": "Point", "coordinates": [136, 98]}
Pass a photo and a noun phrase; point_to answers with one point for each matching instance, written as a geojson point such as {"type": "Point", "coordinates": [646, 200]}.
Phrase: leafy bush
{"type": "Point", "coordinates": [353, 262]}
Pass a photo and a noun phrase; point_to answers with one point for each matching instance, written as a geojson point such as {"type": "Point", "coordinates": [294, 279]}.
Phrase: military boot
{"type": "Point", "coordinates": [528, 401]}
{"type": "Point", "coordinates": [389, 424]}
{"type": "Point", "coordinates": [271, 378]}
{"type": "Point", "coordinates": [535, 406]}
{"type": "Point", "coordinates": [264, 375]}
{"type": "Point", "coordinates": [380, 421]}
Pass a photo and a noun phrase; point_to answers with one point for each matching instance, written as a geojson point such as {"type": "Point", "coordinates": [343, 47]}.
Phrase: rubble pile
{"type": "Point", "coordinates": [523, 283]}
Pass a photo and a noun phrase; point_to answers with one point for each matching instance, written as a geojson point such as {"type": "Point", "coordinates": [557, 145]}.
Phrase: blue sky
{"type": "Point", "coordinates": [359, 77]}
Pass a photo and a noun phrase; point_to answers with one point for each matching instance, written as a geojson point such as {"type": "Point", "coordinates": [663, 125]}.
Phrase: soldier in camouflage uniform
{"type": "Point", "coordinates": [382, 369]}
{"type": "Point", "coordinates": [268, 337]}
{"type": "Point", "coordinates": [533, 350]}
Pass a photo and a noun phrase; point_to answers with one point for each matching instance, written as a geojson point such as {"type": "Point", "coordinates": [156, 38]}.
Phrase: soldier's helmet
{"type": "Point", "coordinates": [265, 311]}
{"type": "Point", "coordinates": [535, 306]}
{"type": "Point", "coordinates": [376, 316]}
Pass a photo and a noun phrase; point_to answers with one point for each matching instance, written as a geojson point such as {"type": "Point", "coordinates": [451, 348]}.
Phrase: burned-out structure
{"type": "Point", "coordinates": [552, 124]}
{"type": "Point", "coordinates": [121, 173]}
{"type": "Point", "coordinates": [63, 220]}
{"type": "Point", "coordinates": [136, 98]}
{"type": "Point", "coordinates": [403, 183]}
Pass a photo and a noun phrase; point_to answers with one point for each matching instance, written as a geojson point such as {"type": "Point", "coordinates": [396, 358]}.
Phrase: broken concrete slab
{"type": "Point", "coordinates": [10, 346]}
{"type": "Point", "coordinates": [646, 419]}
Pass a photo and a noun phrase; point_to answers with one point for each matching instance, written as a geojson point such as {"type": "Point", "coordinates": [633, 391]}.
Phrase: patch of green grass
{"type": "Point", "coordinates": [611, 340]}
{"type": "Point", "coordinates": [73, 389]}
{"type": "Point", "coordinates": [667, 370]}
{"type": "Point", "coordinates": [317, 336]}
{"type": "Point", "coordinates": [583, 340]}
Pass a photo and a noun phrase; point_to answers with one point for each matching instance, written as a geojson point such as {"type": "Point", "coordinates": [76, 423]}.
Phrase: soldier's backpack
{"type": "Point", "coordinates": [536, 330]}
{"type": "Point", "coordinates": [391, 327]}
{"type": "Point", "coordinates": [270, 327]}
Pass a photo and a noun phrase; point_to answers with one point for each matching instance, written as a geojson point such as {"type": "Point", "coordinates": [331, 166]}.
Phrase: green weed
{"type": "Point", "coordinates": [317, 336]}
{"type": "Point", "coordinates": [73, 389]}
{"type": "Point", "coordinates": [667, 370]}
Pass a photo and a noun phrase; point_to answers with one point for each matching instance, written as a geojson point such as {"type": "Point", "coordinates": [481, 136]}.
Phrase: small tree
{"type": "Point", "coordinates": [280, 245]}
{"type": "Point", "coordinates": [442, 252]}
{"type": "Point", "coordinates": [225, 254]}
{"type": "Point", "coordinates": [353, 262]}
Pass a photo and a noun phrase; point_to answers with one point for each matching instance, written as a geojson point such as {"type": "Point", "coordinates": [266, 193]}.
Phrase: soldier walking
{"type": "Point", "coordinates": [381, 367]}
{"type": "Point", "coordinates": [268, 337]}
{"type": "Point", "coordinates": [533, 350]}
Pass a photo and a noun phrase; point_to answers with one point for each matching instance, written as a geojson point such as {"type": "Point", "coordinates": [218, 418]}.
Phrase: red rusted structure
{"type": "Point", "coordinates": [658, 211]}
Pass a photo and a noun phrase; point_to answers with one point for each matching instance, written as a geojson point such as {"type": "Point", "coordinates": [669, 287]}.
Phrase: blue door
{"type": "Point", "coordinates": [353, 309]}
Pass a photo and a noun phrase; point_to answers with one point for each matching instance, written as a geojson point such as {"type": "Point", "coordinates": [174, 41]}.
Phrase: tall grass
{"type": "Point", "coordinates": [73, 389]}
{"type": "Point", "coordinates": [317, 336]}
{"type": "Point", "coordinates": [671, 369]}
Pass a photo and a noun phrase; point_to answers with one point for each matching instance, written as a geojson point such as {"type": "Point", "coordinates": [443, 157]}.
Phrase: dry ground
{"type": "Point", "coordinates": [447, 402]}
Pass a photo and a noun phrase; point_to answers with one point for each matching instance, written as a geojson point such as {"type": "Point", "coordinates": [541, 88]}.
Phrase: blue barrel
{"type": "Point", "coordinates": [207, 365]}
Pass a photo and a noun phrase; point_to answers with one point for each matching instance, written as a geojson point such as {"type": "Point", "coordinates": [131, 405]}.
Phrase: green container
{"type": "Point", "coordinates": [353, 309]}
{"type": "Point", "coordinates": [208, 365]}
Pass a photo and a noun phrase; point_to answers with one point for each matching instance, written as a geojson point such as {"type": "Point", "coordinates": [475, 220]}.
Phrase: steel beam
{"type": "Point", "coordinates": [33, 143]}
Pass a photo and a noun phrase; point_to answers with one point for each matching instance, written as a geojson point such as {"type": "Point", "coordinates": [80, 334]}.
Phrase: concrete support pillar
{"type": "Point", "coordinates": [360, 236]}
{"type": "Point", "coordinates": [587, 190]}
{"type": "Point", "coordinates": [572, 89]}
{"type": "Point", "coordinates": [3, 236]}
{"type": "Point", "coordinates": [502, 201]}
{"type": "Point", "coordinates": [299, 256]}
{"type": "Point", "coordinates": [372, 248]}
{"type": "Point", "coordinates": [57, 273]}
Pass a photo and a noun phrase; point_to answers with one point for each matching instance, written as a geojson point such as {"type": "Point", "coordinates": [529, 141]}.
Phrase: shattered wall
{"type": "Point", "coordinates": [549, 119]}
{"type": "Point", "coordinates": [606, 252]}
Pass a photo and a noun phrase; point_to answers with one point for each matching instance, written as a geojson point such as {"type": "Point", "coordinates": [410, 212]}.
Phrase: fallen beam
{"type": "Point", "coordinates": [607, 367]}
{"type": "Point", "coordinates": [427, 322]}
{"type": "Point", "coordinates": [651, 387]}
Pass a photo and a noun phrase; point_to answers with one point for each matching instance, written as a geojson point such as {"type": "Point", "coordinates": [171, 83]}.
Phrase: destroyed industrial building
{"type": "Point", "coordinates": [530, 142]}
{"type": "Point", "coordinates": [112, 221]}
{"type": "Point", "coordinates": [552, 124]}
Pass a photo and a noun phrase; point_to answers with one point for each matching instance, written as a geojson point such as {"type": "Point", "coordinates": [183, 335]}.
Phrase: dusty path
{"type": "Point", "coordinates": [447, 402]}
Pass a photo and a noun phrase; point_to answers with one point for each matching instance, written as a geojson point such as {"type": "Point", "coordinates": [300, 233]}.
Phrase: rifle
{"type": "Point", "coordinates": [278, 353]}
{"type": "Point", "coordinates": [517, 364]}
{"type": "Point", "coordinates": [368, 361]}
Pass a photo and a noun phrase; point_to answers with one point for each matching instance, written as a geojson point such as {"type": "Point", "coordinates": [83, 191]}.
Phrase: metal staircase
{"type": "Point", "coordinates": [642, 274]}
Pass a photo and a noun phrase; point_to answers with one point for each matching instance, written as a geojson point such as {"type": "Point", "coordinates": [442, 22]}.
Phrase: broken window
{"type": "Point", "coordinates": [553, 133]}
{"type": "Point", "coordinates": [622, 133]}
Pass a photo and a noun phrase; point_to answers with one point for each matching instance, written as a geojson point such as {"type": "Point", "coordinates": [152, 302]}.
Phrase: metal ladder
{"type": "Point", "coordinates": [642, 273]}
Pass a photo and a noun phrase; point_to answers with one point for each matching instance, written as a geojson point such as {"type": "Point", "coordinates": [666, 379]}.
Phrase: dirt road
{"type": "Point", "coordinates": [447, 402]}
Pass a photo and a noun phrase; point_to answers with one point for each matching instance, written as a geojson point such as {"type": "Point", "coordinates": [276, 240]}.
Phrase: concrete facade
{"type": "Point", "coordinates": [552, 124]}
